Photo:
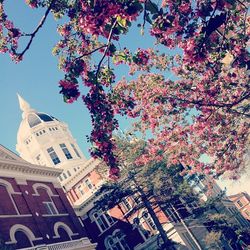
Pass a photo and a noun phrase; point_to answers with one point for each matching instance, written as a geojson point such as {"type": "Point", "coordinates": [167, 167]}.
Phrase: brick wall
{"type": "Point", "coordinates": [31, 212]}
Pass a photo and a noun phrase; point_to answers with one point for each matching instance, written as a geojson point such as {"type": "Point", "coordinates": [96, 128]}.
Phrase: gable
{"type": "Point", "coordinates": [7, 154]}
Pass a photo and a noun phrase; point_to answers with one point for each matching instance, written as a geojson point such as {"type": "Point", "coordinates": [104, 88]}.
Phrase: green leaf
{"type": "Point", "coordinates": [122, 21]}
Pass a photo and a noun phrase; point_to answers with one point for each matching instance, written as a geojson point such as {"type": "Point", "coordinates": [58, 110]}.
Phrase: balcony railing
{"type": "Point", "coordinates": [79, 244]}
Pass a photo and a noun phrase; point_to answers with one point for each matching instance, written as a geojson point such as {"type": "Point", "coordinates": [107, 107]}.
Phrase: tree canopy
{"type": "Point", "coordinates": [156, 187]}
{"type": "Point", "coordinates": [203, 109]}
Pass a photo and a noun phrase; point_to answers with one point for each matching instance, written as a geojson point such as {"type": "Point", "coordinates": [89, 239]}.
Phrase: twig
{"type": "Point", "coordinates": [242, 3]}
{"type": "Point", "coordinates": [33, 34]}
{"type": "Point", "coordinates": [144, 18]}
{"type": "Point", "coordinates": [218, 105]}
{"type": "Point", "coordinates": [90, 52]}
{"type": "Point", "coordinates": [107, 47]}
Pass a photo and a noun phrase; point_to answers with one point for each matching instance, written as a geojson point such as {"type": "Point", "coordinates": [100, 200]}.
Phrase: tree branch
{"type": "Point", "coordinates": [90, 52]}
{"type": "Point", "coordinates": [33, 34]}
{"type": "Point", "coordinates": [107, 47]}
{"type": "Point", "coordinates": [218, 105]}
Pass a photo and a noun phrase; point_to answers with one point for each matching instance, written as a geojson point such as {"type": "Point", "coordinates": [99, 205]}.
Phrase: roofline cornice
{"type": "Point", "coordinates": [89, 166]}
{"type": "Point", "coordinates": [30, 169]}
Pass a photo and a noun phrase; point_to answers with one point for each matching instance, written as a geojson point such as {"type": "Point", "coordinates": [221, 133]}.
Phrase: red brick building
{"type": "Point", "coordinates": [34, 210]}
{"type": "Point", "coordinates": [242, 202]}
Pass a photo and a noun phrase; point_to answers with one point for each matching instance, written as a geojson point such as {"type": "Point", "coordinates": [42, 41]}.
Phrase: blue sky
{"type": "Point", "coordinates": [36, 80]}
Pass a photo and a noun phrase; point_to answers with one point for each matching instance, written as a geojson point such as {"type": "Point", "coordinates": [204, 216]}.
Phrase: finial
{"type": "Point", "coordinates": [24, 106]}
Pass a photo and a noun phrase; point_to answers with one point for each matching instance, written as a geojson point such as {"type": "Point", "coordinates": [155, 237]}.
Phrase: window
{"type": "Point", "coordinates": [109, 218]}
{"type": "Point", "coordinates": [50, 208]}
{"type": "Point", "coordinates": [102, 220]}
{"type": "Point", "coordinates": [242, 221]}
{"type": "Point", "coordinates": [38, 157]}
{"type": "Point", "coordinates": [116, 241]}
{"type": "Point", "coordinates": [80, 189]}
{"type": "Point", "coordinates": [8, 207]}
{"type": "Point", "coordinates": [69, 174]}
{"type": "Point", "coordinates": [75, 150]}
{"type": "Point", "coordinates": [45, 117]}
{"type": "Point", "coordinates": [65, 151]}
{"type": "Point", "coordinates": [239, 203]}
{"type": "Point", "coordinates": [247, 213]}
{"type": "Point", "coordinates": [23, 239]}
{"type": "Point", "coordinates": [65, 176]}
{"type": "Point", "coordinates": [147, 218]}
{"type": "Point", "coordinates": [33, 120]}
{"type": "Point", "coordinates": [60, 178]}
{"type": "Point", "coordinates": [88, 184]}
{"type": "Point", "coordinates": [171, 214]}
{"type": "Point", "coordinates": [126, 204]}
{"type": "Point", "coordinates": [53, 155]}
{"type": "Point", "coordinates": [75, 169]}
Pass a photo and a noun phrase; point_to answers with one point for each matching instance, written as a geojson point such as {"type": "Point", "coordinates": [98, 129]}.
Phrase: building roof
{"type": "Point", "coordinates": [11, 165]}
{"type": "Point", "coordinates": [239, 195]}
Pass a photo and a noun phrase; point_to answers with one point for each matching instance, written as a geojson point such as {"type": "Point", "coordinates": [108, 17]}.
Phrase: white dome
{"type": "Point", "coordinates": [31, 118]}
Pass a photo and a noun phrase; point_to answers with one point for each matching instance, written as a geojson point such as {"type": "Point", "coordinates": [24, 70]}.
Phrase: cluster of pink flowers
{"type": "Point", "coordinates": [9, 35]}
{"type": "Point", "coordinates": [141, 57]}
{"type": "Point", "coordinates": [103, 123]}
{"type": "Point", "coordinates": [32, 3]}
{"type": "Point", "coordinates": [202, 111]}
{"type": "Point", "coordinates": [69, 90]}
{"type": "Point", "coordinates": [98, 19]}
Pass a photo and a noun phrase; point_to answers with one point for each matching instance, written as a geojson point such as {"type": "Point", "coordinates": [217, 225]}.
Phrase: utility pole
{"type": "Point", "coordinates": [186, 227]}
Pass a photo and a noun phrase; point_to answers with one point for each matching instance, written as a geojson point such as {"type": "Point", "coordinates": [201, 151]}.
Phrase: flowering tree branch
{"type": "Point", "coordinates": [205, 107]}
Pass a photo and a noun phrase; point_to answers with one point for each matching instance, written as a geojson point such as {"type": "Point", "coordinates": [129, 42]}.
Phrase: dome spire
{"type": "Point", "coordinates": [24, 106]}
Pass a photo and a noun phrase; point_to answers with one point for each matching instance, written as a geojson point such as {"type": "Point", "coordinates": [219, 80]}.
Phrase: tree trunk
{"type": "Point", "coordinates": [167, 244]}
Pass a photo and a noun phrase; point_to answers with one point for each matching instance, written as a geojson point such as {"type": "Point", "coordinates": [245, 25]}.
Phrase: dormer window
{"type": "Point", "coordinates": [33, 120]}
{"type": "Point", "coordinates": [44, 117]}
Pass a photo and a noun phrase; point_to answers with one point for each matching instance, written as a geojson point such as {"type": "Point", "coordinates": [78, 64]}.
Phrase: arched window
{"type": "Point", "coordinates": [102, 219]}
{"type": "Point", "coordinates": [63, 234]}
{"type": "Point", "coordinates": [22, 239]}
{"type": "Point", "coordinates": [45, 194]}
{"type": "Point", "coordinates": [63, 231]}
{"type": "Point", "coordinates": [116, 241]}
{"type": "Point", "coordinates": [22, 236]}
{"type": "Point", "coordinates": [7, 207]}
